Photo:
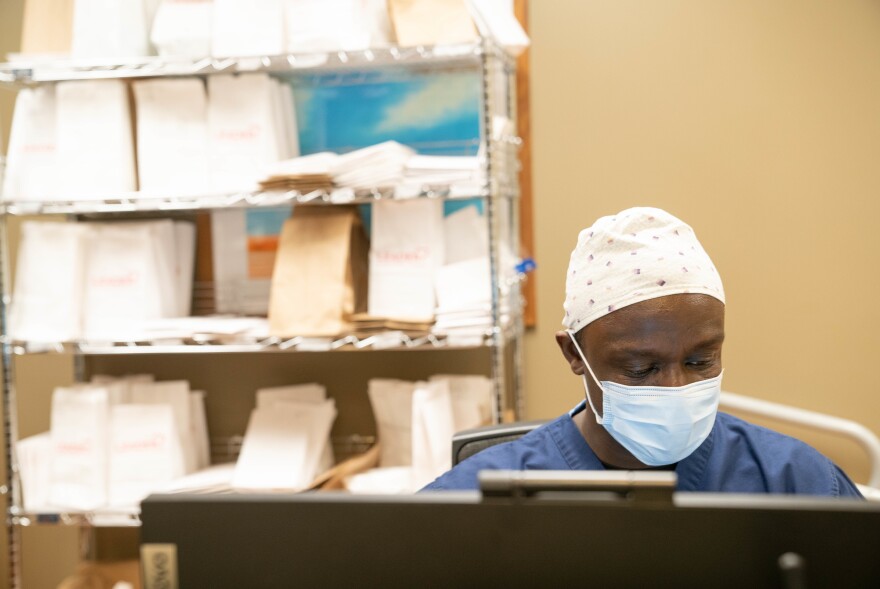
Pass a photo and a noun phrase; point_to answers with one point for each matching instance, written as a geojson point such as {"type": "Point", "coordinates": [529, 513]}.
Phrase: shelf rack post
{"type": "Point", "coordinates": [496, 75]}
{"type": "Point", "coordinates": [10, 416]}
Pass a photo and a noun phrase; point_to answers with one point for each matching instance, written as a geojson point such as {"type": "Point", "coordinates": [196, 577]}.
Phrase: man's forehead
{"type": "Point", "coordinates": [646, 324]}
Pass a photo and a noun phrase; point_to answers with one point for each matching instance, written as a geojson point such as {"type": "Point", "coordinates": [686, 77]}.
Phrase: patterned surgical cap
{"type": "Point", "coordinates": [638, 254]}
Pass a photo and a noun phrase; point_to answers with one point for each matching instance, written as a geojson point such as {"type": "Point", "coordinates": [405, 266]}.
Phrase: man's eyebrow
{"type": "Point", "coordinates": [638, 349]}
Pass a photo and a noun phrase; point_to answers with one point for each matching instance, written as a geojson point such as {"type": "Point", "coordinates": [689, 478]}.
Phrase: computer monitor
{"type": "Point", "coordinates": [554, 539]}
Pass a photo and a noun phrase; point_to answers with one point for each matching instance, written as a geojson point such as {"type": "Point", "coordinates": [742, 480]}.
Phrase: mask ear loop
{"type": "Point", "coordinates": [584, 376]}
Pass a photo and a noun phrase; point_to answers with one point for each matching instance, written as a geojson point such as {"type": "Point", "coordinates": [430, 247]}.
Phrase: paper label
{"type": "Point", "coordinates": [159, 565]}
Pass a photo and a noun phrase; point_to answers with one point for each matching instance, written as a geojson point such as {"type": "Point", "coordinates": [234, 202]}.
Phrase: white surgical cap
{"type": "Point", "coordinates": [638, 254]}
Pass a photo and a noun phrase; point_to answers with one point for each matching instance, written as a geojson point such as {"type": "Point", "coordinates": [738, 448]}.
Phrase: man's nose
{"type": "Point", "coordinates": [677, 376]}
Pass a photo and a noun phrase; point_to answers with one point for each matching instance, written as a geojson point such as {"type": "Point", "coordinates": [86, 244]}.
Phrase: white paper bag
{"type": "Point", "coordinates": [392, 408]}
{"type": "Point", "coordinates": [466, 236]}
{"type": "Point", "coordinates": [172, 136]}
{"type": "Point", "coordinates": [405, 251]}
{"type": "Point", "coordinates": [394, 480]}
{"type": "Point", "coordinates": [288, 113]}
{"type": "Point", "coordinates": [144, 451]}
{"type": "Point", "coordinates": [46, 298]}
{"type": "Point", "coordinates": [163, 241]}
{"type": "Point", "coordinates": [183, 28]}
{"type": "Point", "coordinates": [242, 130]}
{"type": "Point", "coordinates": [332, 25]}
{"type": "Point", "coordinates": [301, 393]}
{"type": "Point", "coordinates": [110, 28]}
{"type": "Point", "coordinates": [471, 399]}
{"type": "Point", "coordinates": [281, 448]}
{"type": "Point", "coordinates": [185, 258]}
{"type": "Point", "coordinates": [433, 426]}
{"type": "Point", "coordinates": [297, 393]}
{"type": "Point", "coordinates": [247, 27]}
{"type": "Point", "coordinates": [94, 141]}
{"type": "Point", "coordinates": [122, 280]}
{"type": "Point", "coordinates": [119, 388]}
{"type": "Point", "coordinates": [30, 165]}
{"type": "Point", "coordinates": [199, 429]}
{"type": "Point", "coordinates": [464, 285]}
{"type": "Point", "coordinates": [79, 448]}
{"type": "Point", "coordinates": [35, 470]}
{"type": "Point", "coordinates": [174, 393]}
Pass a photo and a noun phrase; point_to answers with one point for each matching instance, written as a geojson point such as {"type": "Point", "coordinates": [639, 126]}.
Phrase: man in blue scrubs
{"type": "Point", "coordinates": [644, 318]}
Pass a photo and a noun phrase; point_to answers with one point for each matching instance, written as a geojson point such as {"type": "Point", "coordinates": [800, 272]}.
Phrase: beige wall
{"type": "Point", "coordinates": [759, 124]}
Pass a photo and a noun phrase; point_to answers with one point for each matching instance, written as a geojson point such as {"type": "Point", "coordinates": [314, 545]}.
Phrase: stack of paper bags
{"type": "Point", "coordinates": [172, 136]}
{"type": "Point", "coordinates": [183, 28]}
{"type": "Point", "coordinates": [304, 174]}
{"type": "Point", "coordinates": [73, 139]}
{"type": "Point", "coordinates": [319, 277]}
{"type": "Point", "coordinates": [415, 423]}
{"type": "Point", "coordinates": [112, 442]}
{"type": "Point", "coordinates": [109, 29]}
{"type": "Point", "coordinates": [378, 165]}
{"type": "Point", "coordinates": [333, 25]}
{"type": "Point", "coordinates": [100, 280]}
{"type": "Point", "coordinates": [463, 284]}
{"type": "Point", "coordinates": [135, 272]}
{"type": "Point", "coordinates": [251, 125]}
{"type": "Point", "coordinates": [248, 28]}
{"type": "Point", "coordinates": [366, 324]}
{"type": "Point", "coordinates": [381, 166]}
{"type": "Point", "coordinates": [405, 252]}
{"type": "Point", "coordinates": [287, 440]}
{"type": "Point", "coordinates": [272, 27]}
{"type": "Point", "coordinates": [158, 433]}
{"type": "Point", "coordinates": [422, 172]}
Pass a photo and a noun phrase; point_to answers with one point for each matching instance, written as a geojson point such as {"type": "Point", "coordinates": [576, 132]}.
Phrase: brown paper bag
{"type": "Point", "coordinates": [431, 22]}
{"type": "Point", "coordinates": [320, 275]}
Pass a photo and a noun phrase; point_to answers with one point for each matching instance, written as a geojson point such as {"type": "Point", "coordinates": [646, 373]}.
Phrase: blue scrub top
{"type": "Point", "coordinates": [737, 457]}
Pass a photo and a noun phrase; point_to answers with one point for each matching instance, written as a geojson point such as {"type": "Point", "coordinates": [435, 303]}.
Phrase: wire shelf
{"type": "Point", "coordinates": [28, 70]}
{"type": "Point", "coordinates": [391, 340]}
{"type": "Point", "coordinates": [104, 517]}
{"type": "Point", "coordinates": [136, 202]}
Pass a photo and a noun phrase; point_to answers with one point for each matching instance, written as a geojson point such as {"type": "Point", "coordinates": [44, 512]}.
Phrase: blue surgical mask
{"type": "Point", "coordinates": [657, 425]}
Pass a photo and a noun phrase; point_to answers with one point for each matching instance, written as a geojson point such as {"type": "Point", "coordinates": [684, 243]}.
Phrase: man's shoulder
{"type": "Point", "coordinates": [756, 438]}
{"type": "Point", "coordinates": [748, 455]}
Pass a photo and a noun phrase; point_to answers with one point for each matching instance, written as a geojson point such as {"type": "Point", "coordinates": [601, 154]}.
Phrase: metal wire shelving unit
{"type": "Point", "coordinates": [499, 194]}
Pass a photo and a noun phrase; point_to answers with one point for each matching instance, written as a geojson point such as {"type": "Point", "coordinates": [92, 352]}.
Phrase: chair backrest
{"type": "Point", "coordinates": [470, 441]}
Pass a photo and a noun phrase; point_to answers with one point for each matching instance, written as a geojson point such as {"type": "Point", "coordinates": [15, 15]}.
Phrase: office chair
{"type": "Point", "coordinates": [470, 441]}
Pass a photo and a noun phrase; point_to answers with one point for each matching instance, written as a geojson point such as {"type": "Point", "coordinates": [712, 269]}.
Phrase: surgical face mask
{"type": "Point", "coordinates": [657, 425]}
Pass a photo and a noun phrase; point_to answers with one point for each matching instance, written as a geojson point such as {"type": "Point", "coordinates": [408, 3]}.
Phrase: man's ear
{"type": "Point", "coordinates": [570, 352]}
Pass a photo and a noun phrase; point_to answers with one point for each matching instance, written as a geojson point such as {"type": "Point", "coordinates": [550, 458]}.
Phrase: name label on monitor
{"type": "Point", "coordinates": [159, 565]}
